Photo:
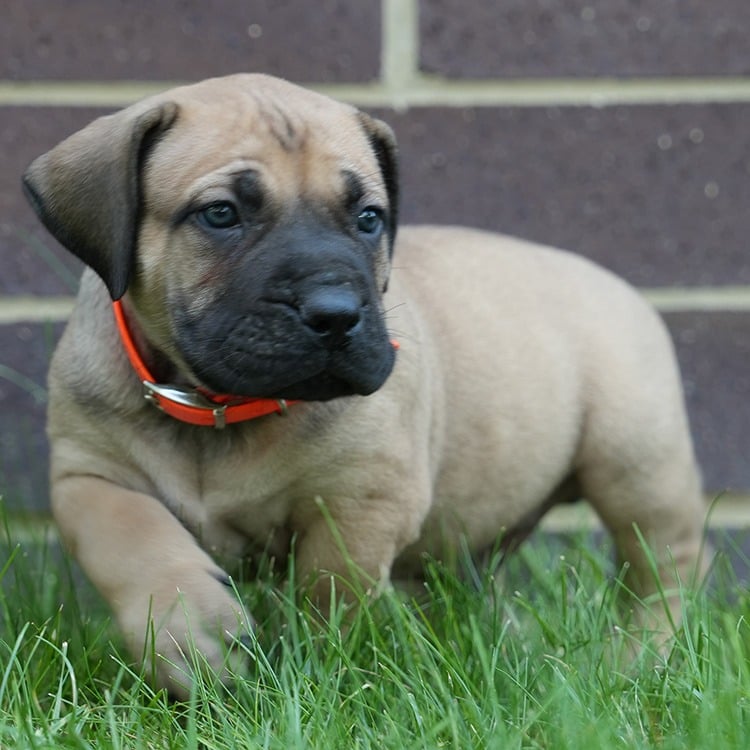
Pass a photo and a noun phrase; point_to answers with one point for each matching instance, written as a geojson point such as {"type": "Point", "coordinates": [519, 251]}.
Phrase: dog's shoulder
{"type": "Point", "coordinates": [89, 373]}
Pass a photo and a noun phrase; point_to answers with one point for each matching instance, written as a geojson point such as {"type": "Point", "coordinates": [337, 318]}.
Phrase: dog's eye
{"type": "Point", "coordinates": [219, 215]}
{"type": "Point", "coordinates": [370, 220]}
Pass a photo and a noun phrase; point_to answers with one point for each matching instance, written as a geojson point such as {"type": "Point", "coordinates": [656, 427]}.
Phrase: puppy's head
{"type": "Point", "coordinates": [249, 223]}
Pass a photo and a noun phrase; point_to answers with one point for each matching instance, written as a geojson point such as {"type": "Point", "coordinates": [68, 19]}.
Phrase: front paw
{"type": "Point", "coordinates": [183, 623]}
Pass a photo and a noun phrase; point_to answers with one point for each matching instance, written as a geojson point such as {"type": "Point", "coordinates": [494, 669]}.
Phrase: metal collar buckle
{"type": "Point", "coordinates": [190, 405]}
{"type": "Point", "coordinates": [152, 392]}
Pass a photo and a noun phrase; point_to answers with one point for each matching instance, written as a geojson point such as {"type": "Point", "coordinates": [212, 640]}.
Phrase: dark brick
{"type": "Point", "coordinates": [31, 261]}
{"type": "Point", "coordinates": [557, 38]}
{"type": "Point", "coordinates": [331, 40]}
{"type": "Point", "coordinates": [634, 188]}
{"type": "Point", "coordinates": [25, 350]}
{"type": "Point", "coordinates": [713, 348]}
{"type": "Point", "coordinates": [714, 351]}
{"type": "Point", "coordinates": [656, 193]}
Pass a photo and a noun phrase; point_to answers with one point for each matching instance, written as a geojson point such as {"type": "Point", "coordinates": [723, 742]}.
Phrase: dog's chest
{"type": "Point", "coordinates": [233, 513]}
{"type": "Point", "coordinates": [235, 497]}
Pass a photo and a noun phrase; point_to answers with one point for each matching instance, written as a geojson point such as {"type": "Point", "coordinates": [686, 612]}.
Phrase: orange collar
{"type": "Point", "coordinates": [189, 404]}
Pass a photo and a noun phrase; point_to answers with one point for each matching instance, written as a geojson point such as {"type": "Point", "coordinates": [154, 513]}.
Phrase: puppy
{"type": "Point", "coordinates": [244, 389]}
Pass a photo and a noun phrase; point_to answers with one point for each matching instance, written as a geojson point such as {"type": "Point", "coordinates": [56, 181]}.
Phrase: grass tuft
{"type": "Point", "coordinates": [527, 655]}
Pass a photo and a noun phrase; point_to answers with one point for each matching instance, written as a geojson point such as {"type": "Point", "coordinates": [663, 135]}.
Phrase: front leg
{"type": "Point", "coordinates": [355, 543]}
{"type": "Point", "coordinates": [153, 574]}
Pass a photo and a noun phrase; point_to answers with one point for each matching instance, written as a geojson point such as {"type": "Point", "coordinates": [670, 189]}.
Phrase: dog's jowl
{"type": "Point", "coordinates": [230, 362]}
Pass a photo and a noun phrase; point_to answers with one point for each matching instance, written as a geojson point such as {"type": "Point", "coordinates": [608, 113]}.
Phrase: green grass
{"type": "Point", "coordinates": [531, 667]}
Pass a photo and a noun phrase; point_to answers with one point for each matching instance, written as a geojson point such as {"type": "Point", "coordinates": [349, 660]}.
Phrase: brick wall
{"type": "Point", "coordinates": [618, 129]}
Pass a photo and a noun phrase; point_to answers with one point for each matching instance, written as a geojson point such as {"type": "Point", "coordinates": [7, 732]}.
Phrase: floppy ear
{"type": "Point", "coordinates": [383, 143]}
{"type": "Point", "coordinates": [87, 189]}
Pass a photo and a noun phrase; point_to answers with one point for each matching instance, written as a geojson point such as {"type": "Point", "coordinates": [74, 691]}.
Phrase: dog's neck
{"type": "Point", "coordinates": [158, 364]}
{"type": "Point", "coordinates": [181, 401]}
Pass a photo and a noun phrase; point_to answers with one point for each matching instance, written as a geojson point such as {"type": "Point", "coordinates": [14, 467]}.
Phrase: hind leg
{"type": "Point", "coordinates": [660, 495]}
{"type": "Point", "coordinates": [637, 466]}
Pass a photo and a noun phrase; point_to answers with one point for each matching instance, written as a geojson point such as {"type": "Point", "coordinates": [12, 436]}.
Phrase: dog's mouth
{"type": "Point", "coordinates": [272, 356]}
{"type": "Point", "coordinates": [326, 386]}
{"type": "Point", "coordinates": [334, 381]}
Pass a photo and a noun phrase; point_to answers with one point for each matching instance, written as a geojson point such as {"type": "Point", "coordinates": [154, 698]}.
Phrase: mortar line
{"type": "Point", "coordinates": [399, 55]}
{"type": "Point", "coordinates": [31, 309]}
{"type": "Point", "coordinates": [403, 87]}
{"type": "Point", "coordinates": [424, 90]}
{"type": "Point", "coordinates": [699, 299]}
{"type": "Point", "coordinates": [37, 309]}
{"type": "Point", "coordinates": [731, 511]}
{"type": "Point", "coordinates": [727, 511]}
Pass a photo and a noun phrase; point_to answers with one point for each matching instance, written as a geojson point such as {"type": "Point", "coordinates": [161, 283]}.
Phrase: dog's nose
{"type": "Point", "coordinates": [332, 312]}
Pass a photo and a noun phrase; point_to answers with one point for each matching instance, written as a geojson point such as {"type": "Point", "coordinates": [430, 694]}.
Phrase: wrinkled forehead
{"type": "Point", "coordinates": [311, 146]}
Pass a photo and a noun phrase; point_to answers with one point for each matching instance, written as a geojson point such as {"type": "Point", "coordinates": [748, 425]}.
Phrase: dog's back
{"type": "Point", "coordinates": [552, 373]}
